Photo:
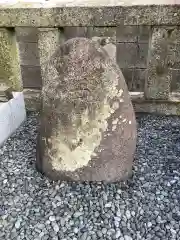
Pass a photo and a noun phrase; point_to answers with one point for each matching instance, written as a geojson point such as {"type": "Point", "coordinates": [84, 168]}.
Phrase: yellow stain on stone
{"type": "Point", "coordinates": [115, 121]}
{"type": "Point", "coordinates": [115, 106]}
{"type": "Point", "coordinates": [120, 93]}
{"type": "Point", "coordinates": [114, 124]}
{"type": "Point", "coordinates": [88, 135]}
{"type": "Point", "coordinates": [114, 127]}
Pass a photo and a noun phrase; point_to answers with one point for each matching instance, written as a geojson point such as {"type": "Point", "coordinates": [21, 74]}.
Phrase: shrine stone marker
{"type": "Point", "coordinates": [87, 123]}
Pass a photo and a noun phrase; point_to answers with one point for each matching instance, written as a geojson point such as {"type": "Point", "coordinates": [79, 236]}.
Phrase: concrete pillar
{"type": "Point", "coordinates": [48, 41]}
{"type": "Point", "coordinates": [158, 79]}
{"type": "Point", "coordinates": [10, 73]}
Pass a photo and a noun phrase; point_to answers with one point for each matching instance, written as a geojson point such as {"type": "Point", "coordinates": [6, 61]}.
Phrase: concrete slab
{"type": "Point", "coordinates": [12, 114]}
{"type": "Point", "coordinates": [59, 3]}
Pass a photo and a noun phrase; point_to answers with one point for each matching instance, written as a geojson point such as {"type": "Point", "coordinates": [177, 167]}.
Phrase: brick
{"type": "Point", "coordinates": [101, 32]}
{"type": "Point", "coordinates": [174, 55]}
{"type": "Point", "coordinates": [144, 34]}
{"type": "Point", "coordinates": [133, 33]}
{"type": "Point", "coordinates": [131, 55]}
{"type": "Point", "coordinates": [138, 82]}
{"type": "Point", "coordinates": [29, 54]}
{"type": "Point", "coordinates": [71, 32]}
{"type": "Point", "coordinates": [175, 80]}
{"type": "Point", "coordinates": [31, 76]}
{"type": "Point", "coordinates": [128, 75]}
{"type": "Point", "coordinates": [135, 79]}
{"type": "Point", "coordinates": [25, 34]}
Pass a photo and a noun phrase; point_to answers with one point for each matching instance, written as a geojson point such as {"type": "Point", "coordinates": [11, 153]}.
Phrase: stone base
{"type": "Point", "coordinates": [169, 107]}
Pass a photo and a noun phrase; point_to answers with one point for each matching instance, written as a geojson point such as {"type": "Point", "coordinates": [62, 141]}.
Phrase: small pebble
{"type": "Point", "coordinates": [56, 228]}
{"type": "Point", "coordinates": [52, 218]}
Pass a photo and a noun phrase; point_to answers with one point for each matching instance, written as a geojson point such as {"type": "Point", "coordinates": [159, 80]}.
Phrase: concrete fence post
{"type": "Point", "coordinates": [158, 79]}
{"type": "Point", "coordinates": [48, 41]}
{"type": "Point", "coordinates": [10, 73]}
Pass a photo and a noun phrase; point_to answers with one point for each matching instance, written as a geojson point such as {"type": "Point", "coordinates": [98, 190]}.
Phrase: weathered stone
{"type": "Point", "coordinates": [157, 84]}
{"type": "Point", "coordinates": [10, 73]}
{"type": "Point", "coordinates": [88, 128]}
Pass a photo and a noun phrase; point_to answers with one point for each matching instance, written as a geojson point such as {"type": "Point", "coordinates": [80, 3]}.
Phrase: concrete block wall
{"type": "Point", "coordinates": [146, 36]}
{"type": "Point", "coordinates": [27, 39]}
{"type": "Point", "coordinates": [132, 52]}
{"type": "Point", "coordinates": [132, 47]}
{"type": "Point", "coordinates": [174, 57]}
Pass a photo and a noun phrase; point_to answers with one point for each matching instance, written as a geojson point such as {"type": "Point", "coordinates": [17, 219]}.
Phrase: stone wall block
{"type": "Point", "coordinates": [27, 38]}
{"type": "Point", "coordinates": [71, 32]}
{"type": "Point", "coordinates": [135, 79]}
{"type": "Point", "coordinates": [31, 76]}
{"type": "Point", "coordinates": [131, 55]}
{"type": "Point", "coordinates": [27, 34]}
{"type": "Point", "coordinates": [29, 55]}
{"type": "Point", "coordinates": [175, 77]}
{"type": "Point", "coordinates": [133, 33]}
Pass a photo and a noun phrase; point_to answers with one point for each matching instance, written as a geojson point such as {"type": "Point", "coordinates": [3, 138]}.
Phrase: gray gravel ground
{"type": "Point", "coordinates": [146, 207]}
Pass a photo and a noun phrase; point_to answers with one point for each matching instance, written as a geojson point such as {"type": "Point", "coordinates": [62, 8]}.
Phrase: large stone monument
{"type": "Point", "coordinates": [87, 124]}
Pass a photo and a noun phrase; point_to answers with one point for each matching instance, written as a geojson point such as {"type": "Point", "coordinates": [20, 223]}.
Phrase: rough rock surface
{"type": "Point", "coordinates": [88, 127]}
